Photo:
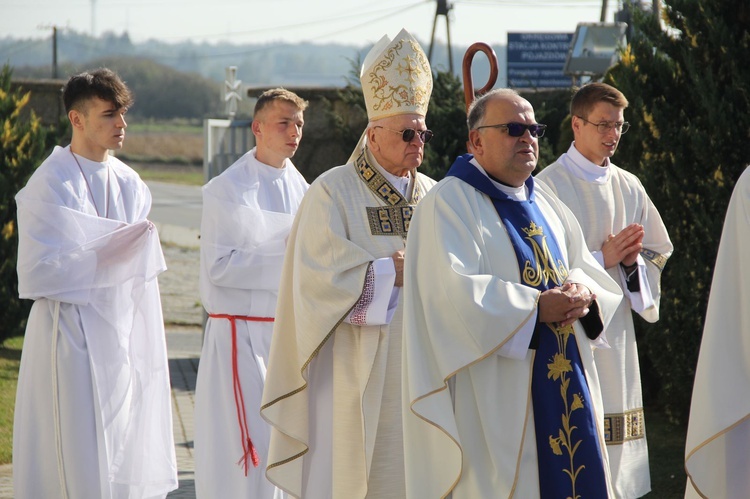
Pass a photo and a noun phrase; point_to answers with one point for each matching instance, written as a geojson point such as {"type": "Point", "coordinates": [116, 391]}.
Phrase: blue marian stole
{"type": "Point", "coordinates": [569, 455]}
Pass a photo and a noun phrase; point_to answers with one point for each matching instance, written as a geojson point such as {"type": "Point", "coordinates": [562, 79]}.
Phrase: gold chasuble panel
{"type": "Point", "coordinates": [392, 219]}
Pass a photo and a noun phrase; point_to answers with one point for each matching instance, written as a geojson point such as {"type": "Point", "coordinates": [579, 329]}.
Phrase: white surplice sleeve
{"type": "Point", "coordinates": [65, 254]}
{"type": "Point", "coordinates": [657, 248]}
{"type": "Point", "coordinates": [243, 246]}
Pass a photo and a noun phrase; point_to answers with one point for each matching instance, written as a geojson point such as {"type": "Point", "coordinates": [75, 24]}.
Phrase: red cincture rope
{"type": "Point", "coordinates": [248, 449]}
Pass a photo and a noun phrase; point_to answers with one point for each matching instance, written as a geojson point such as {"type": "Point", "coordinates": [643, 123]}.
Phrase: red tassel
{"type": "Point", "coordinates": [253, 453]}
{"type": "Point", "coordinates": [250, 453]}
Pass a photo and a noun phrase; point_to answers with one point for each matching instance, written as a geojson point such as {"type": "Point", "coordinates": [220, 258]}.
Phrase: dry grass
{"type": "Point", "coordinates": [10, 360]}
{"type": "Point", "coordinates": [174, 147]}
{"type": "Point", "coordinates": [169, 172]}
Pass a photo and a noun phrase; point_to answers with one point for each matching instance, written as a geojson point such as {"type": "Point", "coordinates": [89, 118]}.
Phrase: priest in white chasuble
{"type": "Point", "coordinates": [93, 415]}
{"type": "Point", "coordinates": [625, 233]}
{"type": "Point", "coordinates": [716, 449]}
{"type": "Point", "coordinates": [247, 214]}
{"type": "Point", "coordinates": [503, 307]}
{"type": "Point", "coordinates": [333, 388]}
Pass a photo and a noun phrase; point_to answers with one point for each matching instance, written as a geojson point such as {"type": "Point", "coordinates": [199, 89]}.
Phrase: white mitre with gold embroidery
{"type": "Point", "coordinates": [396, 79]}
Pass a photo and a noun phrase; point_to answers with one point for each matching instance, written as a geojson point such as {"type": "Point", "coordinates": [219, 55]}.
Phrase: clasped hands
{"type": "Point", "coordinates": [565, 304]}
{"type": "Point", "coordinates": [623, 247]}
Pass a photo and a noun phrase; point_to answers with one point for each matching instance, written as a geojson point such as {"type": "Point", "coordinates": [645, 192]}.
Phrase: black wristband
{"type": "Point", "coordinates": [629, 268]}
{"type": "Point", "coordinates": [632, 279]}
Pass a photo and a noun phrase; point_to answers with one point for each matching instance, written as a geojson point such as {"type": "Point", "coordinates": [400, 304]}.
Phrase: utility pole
{"type": "Point", "coordinates": [54, 52]}
{"type": "Point", "coordinates": [54, 47]}
{"type": "Point", "coordinates": [443, 7]}
{"type": "Point", "coordinates": [603, 17]}
{"type": "Point", "coordinates": [93, 18]}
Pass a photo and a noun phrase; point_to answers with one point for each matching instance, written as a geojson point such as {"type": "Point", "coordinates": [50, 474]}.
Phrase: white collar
{"type": "Point", "coordinates": [269, 171]}
{"type": "Point", "coordinates": [90, 166]}
{"type": "Point", "coordinates": [518, 193]}
{"type": "Point", "coordinates": [578, 165]}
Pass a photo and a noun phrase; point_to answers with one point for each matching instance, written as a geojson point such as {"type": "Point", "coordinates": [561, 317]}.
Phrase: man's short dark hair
{"type": "Point", "coordinates": [281, 94]}
{"type": "Point", "coordinates": [102, 83]}
{"type": "Point", "coordinates": [591, 94]}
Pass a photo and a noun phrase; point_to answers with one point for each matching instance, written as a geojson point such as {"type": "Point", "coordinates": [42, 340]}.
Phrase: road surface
{"type": "Point", "coordinates": [176, 211]}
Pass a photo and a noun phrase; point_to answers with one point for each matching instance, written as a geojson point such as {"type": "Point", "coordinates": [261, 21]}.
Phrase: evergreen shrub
{"type": "Point", "coordinates": [687, 78]}
{"type": "Point", "coordinates": [23, 146]}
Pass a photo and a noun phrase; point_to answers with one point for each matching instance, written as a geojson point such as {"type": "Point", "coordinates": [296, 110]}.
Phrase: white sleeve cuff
{"type": "Point", "coordinates": [380, 309]}
{"type": "Point", "coordinates": [643, 299]}
{"type": "Point", "coordinates": [517, 347]}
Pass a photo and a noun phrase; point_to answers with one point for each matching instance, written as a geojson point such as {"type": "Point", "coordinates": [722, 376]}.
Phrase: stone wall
{"type": "Point", "coordinates": [320, 149]}
{"type": "Point", "coordinates": [45, 100]}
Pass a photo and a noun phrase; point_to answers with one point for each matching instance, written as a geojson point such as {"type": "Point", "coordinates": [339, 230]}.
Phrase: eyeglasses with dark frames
{"type": "Point", "coordinates": [408, 134]}
{"type": "Point", "coordinates": [605, 126]}
{"type": "Point", "coordinates": [518, 129]}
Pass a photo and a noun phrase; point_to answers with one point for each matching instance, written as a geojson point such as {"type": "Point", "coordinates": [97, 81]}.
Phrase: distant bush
{"type": "Point", "coordinates": [689, 93]}
{"type": "Point", "coordinates": [161, 92]}
{"type": "Point", "coordinates": [446, 116]}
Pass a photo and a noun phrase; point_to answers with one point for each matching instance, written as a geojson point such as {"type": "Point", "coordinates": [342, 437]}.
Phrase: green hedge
{"type": "Point", "coordinates": [23, 146]}
{"type": "Point", "coordinates": [689, 92]}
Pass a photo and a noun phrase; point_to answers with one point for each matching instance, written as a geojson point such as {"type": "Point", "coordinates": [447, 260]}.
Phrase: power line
{"type": "Point", "coordinates": [93, 44]}
{"type": "Point", "coordinates": [259, 49]}
{"type": "Point", "coordinates": [23, 45]}
{"type": "Point", "coordinates": [370, 21]}
{"type": "Point", "coordinates": [358, 14]}
{"type": "Point", "coordinates": [536, 4]}
{"type": "Point", "coordinates": [351, 13]}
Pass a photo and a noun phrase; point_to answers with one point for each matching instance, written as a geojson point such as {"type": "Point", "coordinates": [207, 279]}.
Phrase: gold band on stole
{"type": "Point", "coordinates": [656, 258]}
{"type": "Point", "coordinates": [619, 428]}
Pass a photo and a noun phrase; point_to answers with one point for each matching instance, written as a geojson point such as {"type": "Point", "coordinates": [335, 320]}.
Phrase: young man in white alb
{"type": "Point", "coordinates": [93, 412]}
{"type": "Point", "coordinates": [247, 213]}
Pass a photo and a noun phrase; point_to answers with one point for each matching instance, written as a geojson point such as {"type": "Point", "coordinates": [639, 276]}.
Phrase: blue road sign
{"type": "Point", "coordinates": [536, 60]}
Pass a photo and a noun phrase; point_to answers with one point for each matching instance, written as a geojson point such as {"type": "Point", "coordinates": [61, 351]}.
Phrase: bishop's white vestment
{"type": "Point", "coordinates": [469, 426]}
{"type": "Point", "coordinates": [247, 214]}
{"type": "Point", "coordinates": [716, 449]}
{"type": "Point", "coordinates": [93, 408]}
{"type": "Point", "coordinates": [605, 200]}
{"type": "Point", "coordinates": [333, 392]}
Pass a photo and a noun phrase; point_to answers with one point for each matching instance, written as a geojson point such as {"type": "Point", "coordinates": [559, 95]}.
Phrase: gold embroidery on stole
{"type": "Point", "coordinates": [542, 270]}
